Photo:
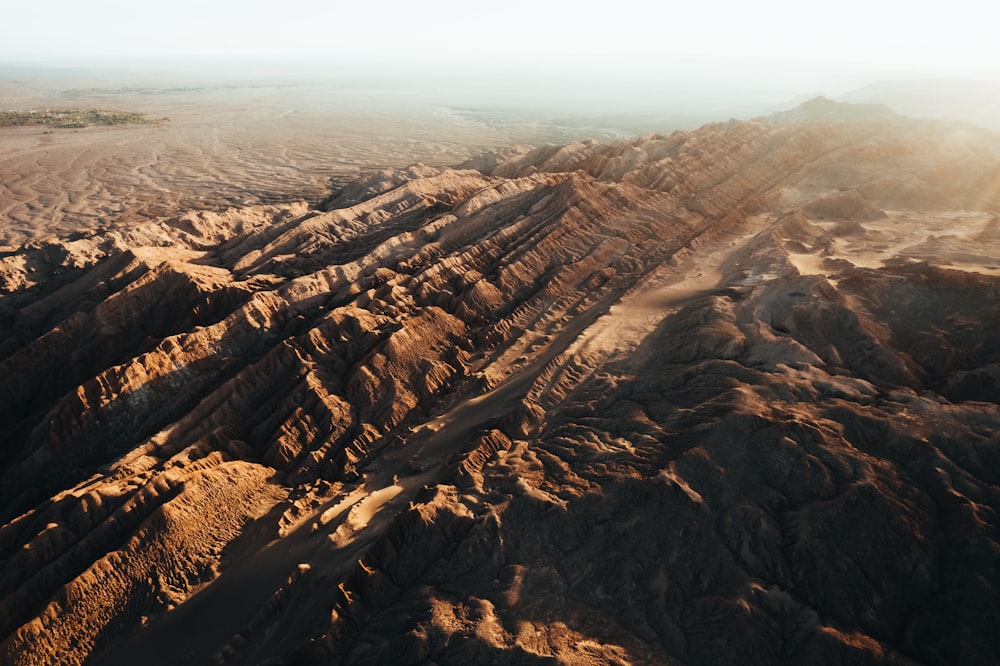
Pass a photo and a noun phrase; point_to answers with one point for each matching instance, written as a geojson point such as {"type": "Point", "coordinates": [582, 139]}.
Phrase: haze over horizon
{"type": "Point", "coordinates": [776, 47]}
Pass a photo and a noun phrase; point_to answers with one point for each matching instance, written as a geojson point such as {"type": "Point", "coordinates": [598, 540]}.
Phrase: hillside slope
{"type": "Point", "coordinates": [733, 391]}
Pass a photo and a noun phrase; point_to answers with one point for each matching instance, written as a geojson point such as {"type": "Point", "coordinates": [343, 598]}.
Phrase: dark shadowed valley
{"type": "Point", "coordinates": [286, 385]}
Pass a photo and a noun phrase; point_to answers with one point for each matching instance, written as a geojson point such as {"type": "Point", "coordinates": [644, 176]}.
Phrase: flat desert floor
{"type": "Point", "coordinates": [211, 145]}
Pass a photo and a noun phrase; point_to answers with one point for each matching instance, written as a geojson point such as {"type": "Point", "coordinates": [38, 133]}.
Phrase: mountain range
{"type": "Point", "coordinates": [729, 394]}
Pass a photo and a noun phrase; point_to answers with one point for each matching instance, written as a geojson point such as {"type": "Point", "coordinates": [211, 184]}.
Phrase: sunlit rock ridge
{"type": "Point", "coordinates": [725, 396]}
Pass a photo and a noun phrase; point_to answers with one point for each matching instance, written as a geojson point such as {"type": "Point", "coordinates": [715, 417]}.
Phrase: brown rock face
{"type": "Point", "coordinates": [725, 395]}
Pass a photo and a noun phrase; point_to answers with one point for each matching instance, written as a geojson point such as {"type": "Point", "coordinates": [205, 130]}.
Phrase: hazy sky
{"type": "Point", "coordinates": [957, 37]}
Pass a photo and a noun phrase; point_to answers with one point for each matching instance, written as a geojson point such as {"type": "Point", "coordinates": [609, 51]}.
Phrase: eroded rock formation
{"type": "Point", "coordinates": [726, 392]}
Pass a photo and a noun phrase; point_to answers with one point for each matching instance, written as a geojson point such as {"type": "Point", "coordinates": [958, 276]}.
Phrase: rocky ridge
{"type": "Point", "coordinates": [729, 391]}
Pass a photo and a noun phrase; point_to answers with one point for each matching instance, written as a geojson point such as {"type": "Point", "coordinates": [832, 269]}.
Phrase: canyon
{"type": "Point", "coordinates": [724, 393]}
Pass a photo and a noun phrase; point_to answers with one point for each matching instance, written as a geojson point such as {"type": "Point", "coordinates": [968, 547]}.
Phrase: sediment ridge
{"type": "Point", "coordinates": [732, 391]}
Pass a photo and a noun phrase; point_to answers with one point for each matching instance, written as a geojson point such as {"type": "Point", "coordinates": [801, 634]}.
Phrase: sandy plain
{"type": "Point", "coordinates": [213, 142]}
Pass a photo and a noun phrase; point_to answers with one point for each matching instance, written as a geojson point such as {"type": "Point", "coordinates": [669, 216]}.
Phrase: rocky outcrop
{"type": "Point", "coordinates": [847, 205]}
{"type": "Point", "coordinates": [724, 392]}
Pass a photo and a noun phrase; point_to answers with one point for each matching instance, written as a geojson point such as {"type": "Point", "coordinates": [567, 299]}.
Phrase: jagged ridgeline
{"type": "Point", "coordinates": [724, 395]}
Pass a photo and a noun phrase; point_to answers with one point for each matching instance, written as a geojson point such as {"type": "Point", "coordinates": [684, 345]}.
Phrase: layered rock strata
{"type": "Point", "coordinates": [726, 392]}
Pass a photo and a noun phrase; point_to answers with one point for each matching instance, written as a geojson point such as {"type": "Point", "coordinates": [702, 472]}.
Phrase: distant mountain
{"type": "Point", "coordinates": [971, 101]}
{"type": "Point", "coordinates": [823, 110]}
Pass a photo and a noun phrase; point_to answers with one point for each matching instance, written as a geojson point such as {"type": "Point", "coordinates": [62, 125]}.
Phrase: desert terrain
{"type": "Point", "coordinates": [270, 395]}
{"type": "Point", "coordinates": [213, 142]}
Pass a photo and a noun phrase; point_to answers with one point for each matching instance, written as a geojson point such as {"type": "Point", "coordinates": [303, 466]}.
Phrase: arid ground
{"type": "Point", "coordinates": [271, 394]}
{"type": "Point", "coordinates": [210, 144]}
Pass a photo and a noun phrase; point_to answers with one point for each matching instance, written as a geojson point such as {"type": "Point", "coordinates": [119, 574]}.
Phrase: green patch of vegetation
{"type": "Point", "coordinates": [72, 118]}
